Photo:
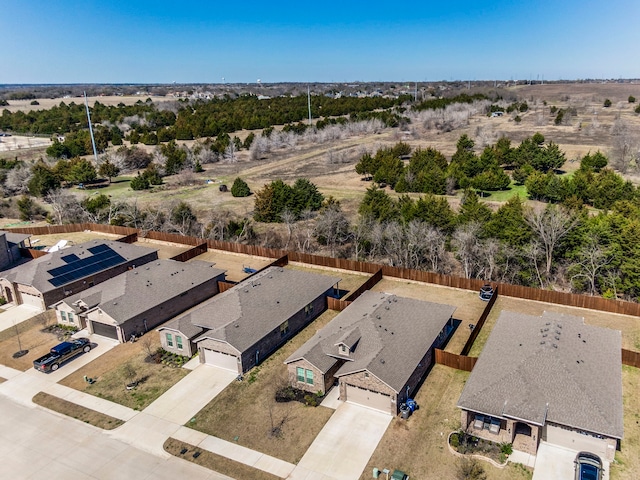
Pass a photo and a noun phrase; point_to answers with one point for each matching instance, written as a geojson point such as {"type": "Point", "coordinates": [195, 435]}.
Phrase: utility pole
{"type": "Point", "coordinates": [93, 141]}
{"type": "Point", "coordinates": [309, 102]}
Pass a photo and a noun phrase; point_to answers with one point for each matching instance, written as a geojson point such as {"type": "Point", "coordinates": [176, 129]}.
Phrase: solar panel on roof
{"type": "Point", "coordinates": [99, 248]}
{"type": "Point", "coordinates": [70, 258]}
{"type": "Point", "coordinates": [103, 258]}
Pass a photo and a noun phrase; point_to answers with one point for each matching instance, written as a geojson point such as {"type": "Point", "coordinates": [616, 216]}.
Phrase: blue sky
{"type": "Point", "coordinates": [202, 42]}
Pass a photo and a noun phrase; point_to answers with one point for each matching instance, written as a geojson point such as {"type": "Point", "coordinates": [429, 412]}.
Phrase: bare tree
{"type": "Point", "coordinates": [534, 253]}
{"type": "Point", "coordinates": [65, 206]}
{"type": "Point", "coordinates": [550, 225]}
{"type": "Point", "coordinates": [333, 227]}
{"type": "Point", "coordinates": [289, 220]}
{"type": "Point", "coordinates": [467, 247]}
{"type": "Point", "coordinates": [17, 180]}
{"type": "Point", "coordinates": [593, 259]}
{"type": "Point", "coordinates": [360, 232]}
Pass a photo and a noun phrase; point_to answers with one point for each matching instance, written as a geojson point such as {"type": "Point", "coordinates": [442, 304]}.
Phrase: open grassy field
{"type": "Point", "coordinates": [246, 412]}
{"type": "Point", "coordinates": [78, 412]}
{"type": "Point", "coordinates": [122, 365]}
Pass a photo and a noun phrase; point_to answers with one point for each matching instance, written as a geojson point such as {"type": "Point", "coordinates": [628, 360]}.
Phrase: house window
{"type": "Point", "coordinates": [366, 374]}
{"type": "Point", "coordinates": [308, 310]}
{"type": "Point", "coordinates": [70, 315]}
{"type": "Point", "coordinates": [63, 316]}
{"type": "Point", "coordinates": [343, 349]}
{"type": "Point", "coordinates": [300, 374]}
{"type": "Point", "coordinates": [169, 340]}
{"type": "Point", "coordinates": [310, 377]}
{"type": "Point", "coordinates": [284, 328]}
{"type": "Point", "coordinates": [179, 342]}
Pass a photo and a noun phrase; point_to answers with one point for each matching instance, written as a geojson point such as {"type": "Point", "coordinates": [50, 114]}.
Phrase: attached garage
{"type": "Point", "coordinates": [574, 440]}
{"type": "Point", "coordinates": [220, 359]}
{"type": "Point", "coordinates": [108, 331]}
{"type": "Point", "coordinates": [32, 300]}
{"type": "Point", "coordinates": [369, 398]}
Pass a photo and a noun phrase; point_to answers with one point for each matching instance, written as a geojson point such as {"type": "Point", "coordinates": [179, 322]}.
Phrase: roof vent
{"type": "Point", "coordinates": [382, 361]}
{"type": "Point", "coordinates": [378, 317]}
{"type": "Point", "coordinates": [115, 303]}
{"type": "Point", "coordinates": [559, 325]}
{"type": "Point", "coordinates": [554, 345]}
{"type": "Point", "coordinates": [395, 299]}
{"type": "Point", "coordinates": [548, 323]}
{"type": "Point", "coordinates": [542, 342]}
{"type": "Point", "coordinates": [386, 307]}
{"type": "Point", "coordinates": [557, 337]}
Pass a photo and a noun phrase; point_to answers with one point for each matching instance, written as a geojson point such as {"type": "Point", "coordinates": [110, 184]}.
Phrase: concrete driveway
{"type": "Point", "coordinates": [25, 385]}
{"type": "Point", "coordinates": [16, 314]}
{"type": "Point", "coordinates": [556, 462]}
{"type": "Point", "coordinates": [38, 444]}
{"type": "Point", "coordinates": [160, 420]}
{"type": "Point", "coordinates": [344, 446]}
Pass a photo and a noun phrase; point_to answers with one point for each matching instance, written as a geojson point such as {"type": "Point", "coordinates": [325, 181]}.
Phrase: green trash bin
{"type": "Point", "coordinates": [376, 472]}
{"type": "Point", "coordinates": [398, 475]}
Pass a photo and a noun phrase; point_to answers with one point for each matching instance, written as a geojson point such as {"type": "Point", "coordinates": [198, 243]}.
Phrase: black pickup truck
{"type": "Point", "coordinates": [61, 353]}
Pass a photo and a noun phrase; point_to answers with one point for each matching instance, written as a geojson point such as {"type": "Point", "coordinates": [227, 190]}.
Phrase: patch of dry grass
{"type": "Point", "coordinates": [246, 412]}
{"type": "Point", "coordinates": [165, 249]}
{"type": "Point", "coordinates": [215, 462]}
{"type": "Point", "coordinates": [350, 281]}
{"type": "Point", "coordinates": [627, 463]}
{"type": "Point", "coordinates": [74, 238]}
{"type": "Point", "coordinates": [418, 446]}
{"type": "Point", "coordinates": [32, 338]}
{"type": "Point", "coordinates": [233, 263]}
{"type": "Point", "coordinates": [122, 365]}
{"type": "Point", "coordinates": [76, 411]}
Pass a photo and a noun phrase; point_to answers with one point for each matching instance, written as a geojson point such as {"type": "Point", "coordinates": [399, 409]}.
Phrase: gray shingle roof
{"type": "Point", "coordinates": [183, 325]}
{"type": "Point", "coordinates": [134, 292]}
{"type": "Point", "coordinates": [245, 313]}
{"type": "Point", "coordinates": [550, 368]}
{"type": "Point", "coordinates": [390, 335]}
{"type": "Point", "coordinates": [36, 272]}
{"type": "Point", "coordinates": [14, 238]}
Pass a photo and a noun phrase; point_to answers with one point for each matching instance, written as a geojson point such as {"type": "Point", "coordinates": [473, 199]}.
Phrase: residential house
{"type": "Point", "coordinates": [549, 378]}
{"type": "Point", "coordinates": [241, 327]}
{"type": "Point", "coordinates": [48, 279]}
{"type": "Point", "coordinates": [140, 299]}
{"type": "Point", "coordinates": [10, 245]}
{"type": "Point", "coordinates": [378, 350]}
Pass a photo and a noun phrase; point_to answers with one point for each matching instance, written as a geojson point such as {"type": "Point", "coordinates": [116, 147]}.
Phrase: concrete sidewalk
{"type": "Point", "coordinates": [236, 452]}
{"type": "Point", "coordinates": [92, 402]}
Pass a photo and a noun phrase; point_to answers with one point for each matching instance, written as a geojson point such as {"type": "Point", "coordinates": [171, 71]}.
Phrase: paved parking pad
{"type": "Point", "coordinates": [554, 462]}
{"type": "Point", "coordinates": [344, 446]}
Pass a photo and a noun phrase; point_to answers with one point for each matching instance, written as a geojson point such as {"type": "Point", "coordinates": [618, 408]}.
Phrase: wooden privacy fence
{"type": "Point", "coordinates": [480, 323]}
{"type": "Point", "coordinates": [368, 285]}
{"type": "Point", "coordinates": [337, 304]}
{"type": "Point", "coordinates": [32, 253]}
{"type": "Point", "coordinates": [131, 238]}
{"type": "Point", "coordinates": [191, 253]}
{"type": "Point", "coordinates": [631, 358]}
{"type": "Point", "coordinates": [459, 362]}
{"type": "Point", "coordinates": [518, 291]}
{"type": "Point", "coordinates": [224, 286]}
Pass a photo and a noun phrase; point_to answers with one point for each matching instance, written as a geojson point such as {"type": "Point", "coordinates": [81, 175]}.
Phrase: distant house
{"type": "Point", "coordinates": [48, 279]}
{"type": "Point", "coordinates": [550, 378]}
{"type": "Point", "coordinates": [497, 114]}
{"type": "Point", "coordinates": [378, 350]}
{"type": "Point", "coordinates": [10, 245]}
{"type": "Point", "coordinates": [242, 326]}
{"type": "Point", "coordinates": [140, 299]}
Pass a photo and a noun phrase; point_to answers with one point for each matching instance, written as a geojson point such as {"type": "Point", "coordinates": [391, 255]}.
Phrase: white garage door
{"type": "Point", "coordinates": [574, 440]}
{"type": "Point", "coordinates": [222, 360]}
{"type": "Point", "coordinates": [369, 398]}
{"type": "Point", "coordinates": [31, 300]}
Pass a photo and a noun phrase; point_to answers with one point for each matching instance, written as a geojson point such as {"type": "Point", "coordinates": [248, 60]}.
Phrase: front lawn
{"type": "Point", "coordinates": [125, 364]}
{"type": "Point", "coordinates": [246, 412]}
